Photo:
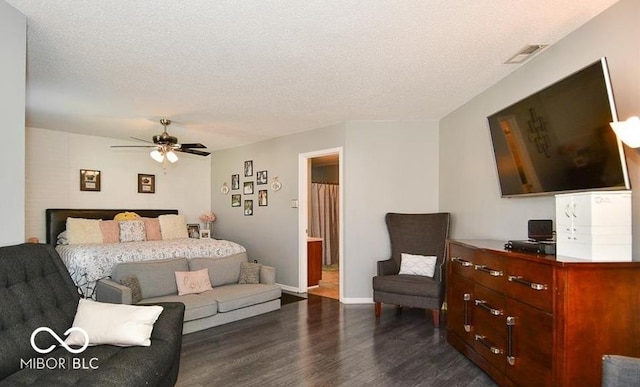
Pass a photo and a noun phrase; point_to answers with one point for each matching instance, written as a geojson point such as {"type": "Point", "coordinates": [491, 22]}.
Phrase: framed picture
{"type": "Point", "coordinates": [261, 177]}
{"type": "Point", "coordinates": [235, 200]}
{"type": "Point", "coordinates": [205, 234]}
{"type": "Point", "coordinates": [248, 168]}
{"type": "Point", "coordinates": [248, 207]}
{"type": "Point", "coordinates": [235, 181]}
{"type": "Point", "coordinates": [146, 183]}
{"type": "Point", "coordinates": [89, 180]}
{"type": "Point", "coordinates": [262, 198]}
{"type": "Point", "coordinates": [194, 230]}
{"type": "Point", "coordinates": [248, 188]}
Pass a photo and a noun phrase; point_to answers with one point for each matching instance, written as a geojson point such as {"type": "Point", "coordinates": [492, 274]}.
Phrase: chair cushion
{"type": "Point", "coordinates": [414, 285]}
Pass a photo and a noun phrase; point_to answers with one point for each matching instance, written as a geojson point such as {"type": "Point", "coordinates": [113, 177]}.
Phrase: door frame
{"type": "Point", "coordinates": [304, 181]}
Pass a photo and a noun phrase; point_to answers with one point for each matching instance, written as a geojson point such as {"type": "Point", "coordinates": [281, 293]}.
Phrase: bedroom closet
{"type": "Point", "coordinates": [323, 228]}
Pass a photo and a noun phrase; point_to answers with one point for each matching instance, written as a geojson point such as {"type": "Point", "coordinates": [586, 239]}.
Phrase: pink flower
{"type": "Point", "coordinates": [208, 217]}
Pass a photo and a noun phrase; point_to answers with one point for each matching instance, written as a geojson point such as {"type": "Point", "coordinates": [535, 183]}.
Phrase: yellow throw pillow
{"type": "Point", "coordinates": [126, 216]}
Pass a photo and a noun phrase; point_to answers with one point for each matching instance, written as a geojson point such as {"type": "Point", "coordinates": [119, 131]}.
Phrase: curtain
{"type": "Point", "coordinates": [324, 219]}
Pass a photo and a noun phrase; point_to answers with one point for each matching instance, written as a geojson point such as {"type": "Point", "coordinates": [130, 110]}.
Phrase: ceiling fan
{"type": "Point", "coordinates": [166, 145]}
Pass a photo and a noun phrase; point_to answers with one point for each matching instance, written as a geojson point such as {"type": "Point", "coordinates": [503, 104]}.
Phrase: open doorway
{"type": "Point", "coordinates": [320, 220]}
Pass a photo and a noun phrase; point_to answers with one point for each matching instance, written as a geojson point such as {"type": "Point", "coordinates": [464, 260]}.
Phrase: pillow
{"type": "Point", "coordinates": [131, 281]}
{"type": "Point", "coordinates": [417, 264]}
{"type": "Point", "coordinates": [190, 282]}
{"type": "Point", "coordinates": [110, 231]}
{"type": "Point", "coordinates": [249, 273]}
{"type": "Point", "coordinates": [81, 231]}
{"type": "Point", "coordinates": [115, 324]}
{"type": "Point", "coordinates": [173, 226]}
{"type": "Point", "coordinates": [126, 216]}
{"type": "Point", "coordinates": [62, 238]}
{"type": "Point", "coordinates": [132, 231]}
{"type": "Point", "coordinates": [152, 228]}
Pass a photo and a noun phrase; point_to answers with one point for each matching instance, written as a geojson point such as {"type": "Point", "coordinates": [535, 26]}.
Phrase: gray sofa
{"type": "Point", "coordinates": [228, 300]}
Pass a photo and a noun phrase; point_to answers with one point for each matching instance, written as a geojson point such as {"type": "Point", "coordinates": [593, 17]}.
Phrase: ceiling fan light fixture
{"type": "Point", "coordinates": [172, 156]}
{"type": "Point", "coordinates": [157, 155]}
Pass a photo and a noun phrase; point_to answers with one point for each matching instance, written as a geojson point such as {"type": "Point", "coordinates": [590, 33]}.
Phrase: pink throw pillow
{"type": "Point", "coordinates": [110, 231]}
{"type": "Point", "coordinates": [190, 282]}
{"type": "Point", "coordinates": [152, 226]}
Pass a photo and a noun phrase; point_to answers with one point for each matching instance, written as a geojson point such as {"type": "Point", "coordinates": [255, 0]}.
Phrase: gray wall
{"type": "Point", "coordinates": [468, 180]}
{"type": "Point", "coordinates": [13, 40]}
{"type": "Point", "coordinates": [388, 166]}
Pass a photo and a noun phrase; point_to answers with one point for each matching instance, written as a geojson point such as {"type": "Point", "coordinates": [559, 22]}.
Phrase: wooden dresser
{"type": "Point", "coordinates": [538, 320]}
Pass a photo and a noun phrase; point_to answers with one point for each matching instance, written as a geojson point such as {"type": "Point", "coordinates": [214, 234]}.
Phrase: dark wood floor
{"type": "Point", "coordinates": [320, 342]}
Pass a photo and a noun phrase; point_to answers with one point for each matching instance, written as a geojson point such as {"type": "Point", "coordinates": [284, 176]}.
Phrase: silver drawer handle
{"type": "Point", "coordinates": [483, 340]}
{"type": "Point", "coordinates": [493, 311]}
{"type": "Point", "coordinates": [532, 285]}
{"type": "Point", "coordinates": [467, 324]}
{"type": "Point", "coordinates": [511, 322]}
{"type": "Point", "coordinates": [462, 262]}
{"type": "Point", "coordinates": [491, 272]}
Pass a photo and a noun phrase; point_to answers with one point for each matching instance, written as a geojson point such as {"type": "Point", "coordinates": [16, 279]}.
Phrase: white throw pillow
{"type": "Point", "coordinates": [82, 231]}
{"type": "Point", "coordinates": [173, 226]}
{"type": "Point", "coordinates": [132, 231]}
{"type": "Point", "coordinates": [193, 282]}
{"type": "Point", "coordinates": [417, 264]}
{"type": "Point", "coordinates": [115, 324]}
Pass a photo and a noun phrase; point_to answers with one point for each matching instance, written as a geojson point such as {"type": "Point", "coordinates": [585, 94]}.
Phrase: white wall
{"type": "Point", "coordinates": [388, 166]}
{"type": "Point", "coordinates": [13, 40]}
{"type": "Point", "coordinates": [54, 160]}
{"type": "Point", "coordinates": [469, 185]}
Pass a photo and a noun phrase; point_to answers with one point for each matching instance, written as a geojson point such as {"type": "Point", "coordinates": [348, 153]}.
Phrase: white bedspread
{"type": "Point", "coordinates": [91, 262]}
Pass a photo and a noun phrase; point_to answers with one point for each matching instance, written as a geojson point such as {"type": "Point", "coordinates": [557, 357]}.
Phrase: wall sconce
{"type": "Point", "coordinates": [225, 188]}
{"type": "Point", "coordinates": [628, 131]}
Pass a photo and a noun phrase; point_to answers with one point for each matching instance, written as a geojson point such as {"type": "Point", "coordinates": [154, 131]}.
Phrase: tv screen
{"type": "Point", "coordinates": [559, 139]}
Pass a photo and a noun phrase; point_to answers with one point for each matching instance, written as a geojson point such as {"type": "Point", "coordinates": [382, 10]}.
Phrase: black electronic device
{"type": "Point", "coordinates": [538, 247]}
{"type": "Point", "coordinates": [540, 229]}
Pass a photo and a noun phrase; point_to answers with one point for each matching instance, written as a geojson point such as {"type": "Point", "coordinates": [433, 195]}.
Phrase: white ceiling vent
{"type": "Point", "coordinates": [526, 53]}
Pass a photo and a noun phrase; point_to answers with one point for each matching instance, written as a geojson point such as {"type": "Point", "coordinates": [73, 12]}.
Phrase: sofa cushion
{"type": "Point", "coordinates": [236, 296]}
{"type": "Point", "coordinates": [249, 273]}
{"type": "Point", "coordinates": [156, 278]}
{"type": "Point", "coordinates": [196, 305]}
{"type": "Point", "coordinates": [193, 282]}
{"type": "Point", "coordinates": [131, 281]}
{"type": "Point", "coordinates": [222, 271]}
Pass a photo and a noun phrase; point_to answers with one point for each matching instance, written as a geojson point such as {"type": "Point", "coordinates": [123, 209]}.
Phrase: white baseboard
{"type": "Point", "coordinates": [351, 300]}
{"type": "Point", "coordinates": [288, 288]}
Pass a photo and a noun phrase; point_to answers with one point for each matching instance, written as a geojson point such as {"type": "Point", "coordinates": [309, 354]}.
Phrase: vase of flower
{"type": "Point", "coordinates": [208, 218]}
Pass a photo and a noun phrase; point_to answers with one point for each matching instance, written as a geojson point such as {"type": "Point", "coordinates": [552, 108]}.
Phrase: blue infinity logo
{"type": "Point", "coordinates": [62, 343]}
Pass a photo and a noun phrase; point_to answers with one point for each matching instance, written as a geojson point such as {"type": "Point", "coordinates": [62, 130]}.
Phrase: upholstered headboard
{"type": "Point", "coordinates": [56, 218]}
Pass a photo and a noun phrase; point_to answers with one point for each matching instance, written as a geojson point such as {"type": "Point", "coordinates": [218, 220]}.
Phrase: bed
{"type": "Point", "coordinates": [87, 263]}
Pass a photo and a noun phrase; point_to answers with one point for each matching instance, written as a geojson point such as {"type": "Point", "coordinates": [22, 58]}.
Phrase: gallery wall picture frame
{"type": "Point", "coordinates": [146, 183]}
{"type": "Point", "coordinates": [248, 207]}
{"type": "Point", "coordinates": [235, 182]}
{"type": "Point", "coordinates": [248, 168]}
{"type": "Point", "coordinates": [236, 200]}
{"type": "Point", "coordinates": [90, 180]}
{"type": "Point", "coordinates": [248, 188]}
{"type": "Point", "coordinates": [263, 198]}
{"type": "Point", "coordinates": [193, 229]}
{"type": "Point", "coordinates": [262, 177]}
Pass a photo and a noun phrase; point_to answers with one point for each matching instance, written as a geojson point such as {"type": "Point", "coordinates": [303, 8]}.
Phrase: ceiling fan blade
{"type": "Point", "coordinates": [133, 146]}
{"type": "Point", "coordinates": [139, 139]}
{"type": "Point", "coordinates": [192, 151]}
{"type": "Point", "coordinates": [192, 145]}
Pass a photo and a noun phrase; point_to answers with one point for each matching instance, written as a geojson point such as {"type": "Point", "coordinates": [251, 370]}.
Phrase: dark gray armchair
{"type": "Point", "coordinates": [421, 234]}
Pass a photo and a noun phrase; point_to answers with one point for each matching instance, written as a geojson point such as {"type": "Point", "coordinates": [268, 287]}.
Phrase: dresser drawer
{"type": "Point", "coordinates": [461, 260]}
{"type": "Point", "coordinates": [489, 271]}
{"type": "Point", "coordinates": [531, 283]}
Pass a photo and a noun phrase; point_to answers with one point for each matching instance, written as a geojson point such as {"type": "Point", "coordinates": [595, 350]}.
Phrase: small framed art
{"type": "Point", "coordinates": [146, 183]}
{"type": "Point", "coordinates": [248, 188]}
{"type": "Point", "coordinates": [205, 234]}
{"type": "Point", "coordinates": [248, 168]}
{"type": "Point", "coordinates": [263, 197]}
{"type": "Point", "coordinates": [235, 181]}
{"type": "Point", "coordinates": [89, 180]}
{"type": "Point", "coordinates": [261, 177]}
{"type": "Point", "coordinates": [193, 229]}
{"type": "Point", "coordinates": [248, 207]}
{"type": "Point", "coordinates": [235, 200]}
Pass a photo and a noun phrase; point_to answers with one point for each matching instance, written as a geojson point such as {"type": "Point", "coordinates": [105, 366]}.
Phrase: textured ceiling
{"type": "Point", "coordinates": [230, 73]}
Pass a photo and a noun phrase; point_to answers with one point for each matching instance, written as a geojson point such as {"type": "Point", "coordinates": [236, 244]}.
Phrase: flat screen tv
{"type": "Point", "coordinates": [559, 139]}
